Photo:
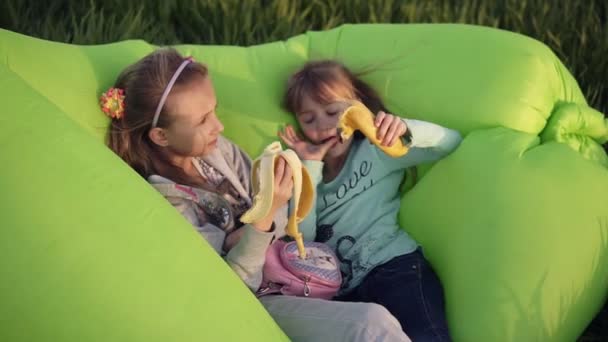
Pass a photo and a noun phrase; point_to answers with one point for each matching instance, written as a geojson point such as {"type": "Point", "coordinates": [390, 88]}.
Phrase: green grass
{"type": "Point", "coordinates": [577, 30]}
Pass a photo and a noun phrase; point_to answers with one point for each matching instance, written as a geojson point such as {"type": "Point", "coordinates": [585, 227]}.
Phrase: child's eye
{"type": "Point", "coordinates": [332, 113]}
{"type": "Point", "coordinates": [308, 119]}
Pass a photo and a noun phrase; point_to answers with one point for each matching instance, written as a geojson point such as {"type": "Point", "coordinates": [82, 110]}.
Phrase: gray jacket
{"type": "Point", "coordinates": [196, 205]}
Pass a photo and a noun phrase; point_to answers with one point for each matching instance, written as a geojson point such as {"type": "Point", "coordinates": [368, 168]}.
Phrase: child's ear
{"type": "Point", "coordinates": [158, 136]}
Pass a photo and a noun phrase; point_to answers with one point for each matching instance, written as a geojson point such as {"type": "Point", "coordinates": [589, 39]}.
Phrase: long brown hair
{"type": "Point", "coordinates": [318, 79]}
{"type": "Point", "coordinates": [144, 83]}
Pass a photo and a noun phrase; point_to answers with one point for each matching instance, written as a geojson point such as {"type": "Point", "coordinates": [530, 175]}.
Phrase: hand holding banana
{"type": "Point", "coordinates": [262, 176]}
{"type": "Point", "coordinates": [384, 130]}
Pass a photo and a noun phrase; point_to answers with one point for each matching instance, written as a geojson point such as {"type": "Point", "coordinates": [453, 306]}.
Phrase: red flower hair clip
{"type": "Point", "coordinates": [112, 103]}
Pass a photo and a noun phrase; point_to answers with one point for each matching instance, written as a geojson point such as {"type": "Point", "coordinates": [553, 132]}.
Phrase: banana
{"type": "Point", "coordinates": [262, 176]}
{"type": "Point", "coordinates": [358, 117]}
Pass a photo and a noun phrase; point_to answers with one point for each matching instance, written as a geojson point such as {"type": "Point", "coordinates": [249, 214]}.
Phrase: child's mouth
{"type": "Point", "coordinates": [330, 138]}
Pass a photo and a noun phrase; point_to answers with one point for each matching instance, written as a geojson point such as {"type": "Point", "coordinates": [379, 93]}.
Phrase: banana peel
{"type": "Point", "coordinates": [262, 176]}
{"type": "Point", "coordinates": [358, 118]}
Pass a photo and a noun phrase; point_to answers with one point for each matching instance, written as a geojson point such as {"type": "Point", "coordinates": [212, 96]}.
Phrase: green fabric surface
{"type": "Point", "coordinates": [514, 221]}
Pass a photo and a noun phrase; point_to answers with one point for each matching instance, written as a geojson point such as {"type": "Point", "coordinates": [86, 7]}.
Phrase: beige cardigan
{"type": "Point", "coordinates": [247, 257]}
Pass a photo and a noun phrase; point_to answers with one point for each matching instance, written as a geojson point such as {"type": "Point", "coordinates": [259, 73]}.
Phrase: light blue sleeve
{"type": "Point", "coordinates": [308, 226]}
{"type": "Point", "coordinates": [429, 142]}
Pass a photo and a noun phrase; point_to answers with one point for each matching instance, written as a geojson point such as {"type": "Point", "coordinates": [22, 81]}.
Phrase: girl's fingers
{"type": "Point", "coordinates": [285, 139]}
{"type": "Point", "coordinates": [389, 139]}
{"type": "Point", "coordinates": [283, 135]}
{"type": "Point", "coordinates": [297, 137]}
{"type": "Point", "coordinates": [292, 133]}
{"type": "Point", "coordinates": [291, 138]}
{"type": "Point", "coordinates": [379, 117]}
{"type": "Point", "coordinates": [403, 129]}
{"type": "Point", "coordinates": [286, 132]}
{"type": "Point", "coordinates": [279, 171]}
{"type": "Point", "coordinates": [289, 187]}
{"type": "Point", "coordinates": [384, 126]}
{"type": "Point", "coordinates": [286, 176]}
{"type": "Point", "coordinates": [285, 185]}
{"type": "Point", "coordinates": [328, 144]}
{"type": "Point", "coordinates": [394, 139]}
{"type": "Point", "coordinates": [400, 132]}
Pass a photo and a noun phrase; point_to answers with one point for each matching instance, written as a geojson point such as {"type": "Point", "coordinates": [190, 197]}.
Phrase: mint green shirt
{"type": "Point", "coordinates": [356, 213]}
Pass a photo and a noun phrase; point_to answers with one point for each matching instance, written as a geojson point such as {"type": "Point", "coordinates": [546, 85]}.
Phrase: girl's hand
{"type": "Point", "coordinates": [390, 128]}
{"type": "Point", "coordinates": [283, 184]}
{"type": "Point", "coordinates": [283, 188]}
{"type": "Point", "coordinates": [304, 149]}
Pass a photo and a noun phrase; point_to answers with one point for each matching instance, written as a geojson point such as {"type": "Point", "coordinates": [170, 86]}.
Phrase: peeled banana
{"type": "Point", "coordinates": [358, 117]}
{"type": "Point", "coordinates": [262, 176]}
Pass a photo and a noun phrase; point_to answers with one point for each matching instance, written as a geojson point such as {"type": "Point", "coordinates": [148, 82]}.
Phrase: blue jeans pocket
{"type": "Point", "coordinates": [407, 266]}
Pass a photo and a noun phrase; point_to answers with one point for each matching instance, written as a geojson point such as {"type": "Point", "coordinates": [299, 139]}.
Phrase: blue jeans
{"type": "Point", "coordinates": [409, 288]}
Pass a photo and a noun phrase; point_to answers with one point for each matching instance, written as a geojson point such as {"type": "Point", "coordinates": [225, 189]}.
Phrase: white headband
{"type": "Point", "coordinates": [163, 98]}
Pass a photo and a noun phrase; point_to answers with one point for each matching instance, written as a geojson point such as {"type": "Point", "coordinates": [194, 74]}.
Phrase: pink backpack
{"type": "Point", "coordinates": [316, 276]}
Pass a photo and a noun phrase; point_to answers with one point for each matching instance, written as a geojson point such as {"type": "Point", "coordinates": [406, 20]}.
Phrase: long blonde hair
{"type": "Point", "coordinates": [144, 83]}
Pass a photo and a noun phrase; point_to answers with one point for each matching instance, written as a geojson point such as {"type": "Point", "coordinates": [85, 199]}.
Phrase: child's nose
{"type": "Point", "coordinates": [330, 123]}
{"type": "Point", "coordinates": [218, 125]}
{"type": "Point", "coordinates": [330, 126]}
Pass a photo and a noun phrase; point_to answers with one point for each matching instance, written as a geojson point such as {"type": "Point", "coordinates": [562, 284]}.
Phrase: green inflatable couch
{"type": "Point", "coordinates": [515, 220]}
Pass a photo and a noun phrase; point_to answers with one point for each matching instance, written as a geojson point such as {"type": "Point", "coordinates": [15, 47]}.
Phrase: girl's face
{"type": "Point", "coordinates": [319, 122]}
{"type": "Point", "coordinates": [195, 127]}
